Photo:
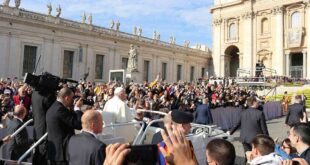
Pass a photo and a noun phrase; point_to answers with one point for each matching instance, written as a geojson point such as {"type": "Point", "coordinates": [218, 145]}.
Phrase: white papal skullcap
{"type": "Point", "coordinates": [118, 90]}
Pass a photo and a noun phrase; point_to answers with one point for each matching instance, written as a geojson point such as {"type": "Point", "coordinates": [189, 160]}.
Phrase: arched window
{"type": "Point", "coordinates": [296, 20]}
{"type": "Point", "coordinates": [232, 31]}
{"type": "Point", "coordinates": [265, 26]}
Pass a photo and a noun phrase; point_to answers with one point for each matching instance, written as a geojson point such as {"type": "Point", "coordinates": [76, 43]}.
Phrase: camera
{"type": "Point", "coordinates": [46, 81]}
{"type": "Point", "coordinates": [85, 100]}
{"type": "Point", "coordinates": [88, 102]}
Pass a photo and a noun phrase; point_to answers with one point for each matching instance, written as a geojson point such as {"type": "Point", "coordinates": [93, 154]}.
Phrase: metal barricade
{"type": "Point", "coordinates": [32, 147]}
{"type": "Point", "coordinates": [21, 128]}
{"type": "Point", "coordinates": [146, 129]}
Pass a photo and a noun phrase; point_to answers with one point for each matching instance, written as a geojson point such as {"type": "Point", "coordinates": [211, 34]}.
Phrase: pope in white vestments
{"type": "Point", "coordinates": [118, 107]}
{"type": "Point", "coordinates": [117, 111]}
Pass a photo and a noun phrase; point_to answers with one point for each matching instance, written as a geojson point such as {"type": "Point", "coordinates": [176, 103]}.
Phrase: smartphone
{"type": "Point", "coordinates": [142, 155]}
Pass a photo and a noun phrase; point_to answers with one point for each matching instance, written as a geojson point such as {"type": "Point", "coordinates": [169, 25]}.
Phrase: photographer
{"type": "Point", "coordinates": [61, 122]}
{"type": "Point", "coordinates": [41, 101]}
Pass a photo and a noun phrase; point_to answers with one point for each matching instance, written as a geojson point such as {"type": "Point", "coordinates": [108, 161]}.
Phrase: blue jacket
{"type": "Point", "coordinates": [203, 114]}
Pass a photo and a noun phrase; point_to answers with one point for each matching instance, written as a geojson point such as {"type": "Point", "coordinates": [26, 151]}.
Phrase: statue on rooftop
{"type": "Point", "coordinates": [158, 36]}
{"type": "Point", "coordinates": [140, 31]}
{"type": "Point", "coordinates": [112, 24]}
{"type": "Point", "coordinates": [6, 2]}
{"type": "Point", "coordinates": [49, 9]}
{"type": "Point", "coordinates": [90, 19]}
{"type": "Point", "coordinates": [17, 3]}
{"type": "Point", "coordinates": [154, 35]}
{"type": "Point", "coordinates": [171, 39]}
{"type": "Point", "coordinates": [135, 30]}
{"type": "Point", "coordinates": [58, 10]}
{"type": "Point", "coordinates": [84, 17]}
{"type": "Point", "coordinates": [118, 24]}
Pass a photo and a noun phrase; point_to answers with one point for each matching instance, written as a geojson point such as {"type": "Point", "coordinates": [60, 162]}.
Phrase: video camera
{"type": "Point", "coordinates": [46, 81]}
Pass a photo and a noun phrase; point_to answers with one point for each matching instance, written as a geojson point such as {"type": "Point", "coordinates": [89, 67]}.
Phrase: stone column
{"type": "Point", "coordinates": [15, 57]}
{"type": "Point", "coordinates": [248, 41]}
{"type": "Point", "coordinates": [240, 60]}
{"type": "Point", "coordinates": [278, 60]}
{"type": "Point", "coordinates": [308, 40]}
{"type": "Point", "coordinates": [304, 64]}
{"type": "Point", "coordinates": [222, 65]}
{"type": "Point", "coordinates": [5, 54]}
{"type": "Point", "coordinates": [287, 64]}
{"type": "Point", "coordinates": [217, 27]}
{"type": "Point", "coordinates": [47, 54]}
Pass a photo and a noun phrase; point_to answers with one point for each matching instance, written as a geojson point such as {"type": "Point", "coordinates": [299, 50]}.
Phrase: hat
{"type": "Point", "coordinates": [181, 117]}
{"type": "Point", "coordinates": [7, 91]}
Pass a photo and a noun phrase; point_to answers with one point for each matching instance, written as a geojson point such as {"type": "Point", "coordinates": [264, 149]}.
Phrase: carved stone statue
{"type": "Point", "coordinates": [58, 10]}
{"type": "Point", "coordinates": [132, 60]}
{"type": "Point", "coordinates": [171, 40]}
{"type": "Point", "coordinates": [112, 24]}
{"type": "Point", "coordinates": [186, 44]}
{"type": "Point", "coordinates": [90, 19]}
{"type": "Point", "coordinates": [154, 35]}
{"type": "Point", "coordinates": [118, 24]}
{"type": "Point", "coordinates": [158, 36]}
{"type": "Point", "coordinates": [17, 3]}
{"type": "Point", "coordinates": [6, 2]}
{"type": "Point", "coordinates": [49, 9]}
{"type": "Point", "coordinates": [135, 30]}
{"type": "Point", "coordinates": [140, 32]}
{"type": "Point", "coordinates": [84, 17]}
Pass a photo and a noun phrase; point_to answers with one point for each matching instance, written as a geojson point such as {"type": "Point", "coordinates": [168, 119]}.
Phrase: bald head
{"type": "Point", "coordinates": [20, 111]}
{"type": "Point", "coordinates": [92, 121]}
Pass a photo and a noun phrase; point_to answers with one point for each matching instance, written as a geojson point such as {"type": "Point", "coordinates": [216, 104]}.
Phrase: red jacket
{"type": "Point", "coordinates": [26, 102]}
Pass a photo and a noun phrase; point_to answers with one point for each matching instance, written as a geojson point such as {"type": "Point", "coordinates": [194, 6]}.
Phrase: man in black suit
{"type": "Point", "coordinates": [299, 136]}
{"type": "Point", "coordinates": [61, 121]}
{"type": "Point", "coordinates": [203, 113]}
{"type": "Point", "coordinates": [20, 142]}
{"type": "Point", "coordinates": [85, 148]}
{"type": "Point", "coordinates": [41, 100]}
{"type": "Point", "coordinates": [252, 123]}
{"type": "Point", "coordinates": [296, 112]}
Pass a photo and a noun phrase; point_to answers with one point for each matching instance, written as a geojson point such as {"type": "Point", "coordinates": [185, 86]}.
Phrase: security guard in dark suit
{"type": "Point", "coordinates": [252, 123]}
{"type": "Point", "coordinates": [20, 142]}
{"type": "Point", "coordinates": [61, 122]}
{"type": "Point", "coordinates": [41, 100]}
{"type": "Point", "coordinates": [85, 148]}
{"type": "Point", "coordinates": [296, 112]}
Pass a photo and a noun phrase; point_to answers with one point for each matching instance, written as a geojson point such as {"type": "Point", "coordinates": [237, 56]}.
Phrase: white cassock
{"type": "Point", "coordinates": [117, 111]}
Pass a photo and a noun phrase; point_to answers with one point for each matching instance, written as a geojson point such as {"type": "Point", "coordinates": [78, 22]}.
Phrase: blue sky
{"type": "Point", "coordinates": [185, 19]}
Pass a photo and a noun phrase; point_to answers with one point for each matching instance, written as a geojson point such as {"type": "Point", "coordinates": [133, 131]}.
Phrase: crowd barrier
{"type": "Point", "coordinates": [228, 117]}
{"type": "Point", "coordinates": [273, 110]}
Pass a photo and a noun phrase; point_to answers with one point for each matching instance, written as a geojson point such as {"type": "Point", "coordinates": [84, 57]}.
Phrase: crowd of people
{"type": "Point", "coordinates": [80, 106]}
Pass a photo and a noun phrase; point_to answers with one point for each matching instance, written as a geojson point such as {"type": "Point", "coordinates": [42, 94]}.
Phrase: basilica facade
{"type": "Point", "coordinates": [274, 32]}
{"type": "Point", "coordinates": [31, 41]}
